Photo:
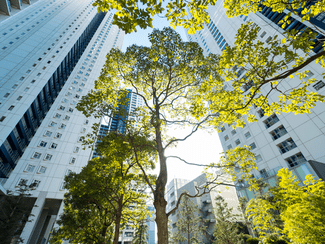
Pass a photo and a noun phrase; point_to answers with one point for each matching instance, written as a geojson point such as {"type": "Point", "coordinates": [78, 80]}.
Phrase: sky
{"type": "Point", "coordinates": [201, 148]}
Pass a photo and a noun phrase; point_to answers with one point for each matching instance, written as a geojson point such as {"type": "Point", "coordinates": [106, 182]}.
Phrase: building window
{"type": "Point", "coordinates": [237, 142]}
{"type": "Point", "coordinates": [62, 187]}
{"type": "Point", "coordinates": [36, 183]}
{"type": "Point", "coordinates": [172, 203]}
{"type": "Point", "coordinates": [57, 116]}
{"type": "Point", "coordinates": [174, 225]}
{"type": "Point", "coordinates": [286, 145]}
{"type": "Point", "coordinates": [66, 117]}
{"type": "Point", "coordinates": [80, 139]}
{"type": "Point", "coordinates": [226, 138]}
{"type": "Point", "coordinates": [72, 160]}
{"type": "Point", "coordinates": [76, 149]}
{"type": "Point", "coordinates": [19, 98]}
{"type": "Point", "coordinates": [37, 155]}
{"type": "Point", "coordinates": [128, 234]}
{"type": "Point", "coordinates": [48, 133]}
{"type": "Point", "coordinates": [54, 145]}
{"type": "Point", "coordinates": [7, 94]}
{"type": "Point", "coordinates": [233, 132]}
{"type": "Point", "coordinates": [261, 113]}
{"type": "Point", "coordinates": [83, 130]}
{"type": "Point", "coordinates": [253, 145]}
{"type": "Point", "coordinates": [271, 121]}
{"type": "Point", "coordinates": [30, 168]}
{"type": "Point", "coordinates": [42, 169]}
{"type": "Point", "coordinates": [70, 110]}
{"type": "Point", "coordinates": [61, 108]}
{"type": "Point", "coordinates": [247, 135]}
{"type": "Point", "coordinates": [296, 160]}
{"type": "Point", "coordinates": [52, 124]}
{"type": "Point", "coordinates": [62, 126]}
{"type": "Point", "coordinates": [258, 158]}
{"type": "Point", "coordinates": [278, 132]}
{"type": "Point", "coordinates": [86, 122]}
{"type": "Point", "coordinates": [42, 144]}
{"type": "Point", "coordinates": [263, 173]}
{"type": "Point", "coordinates": [11, 107]}
{"type": "Point", "coordinates": [48, 157]}
{"type": "Point", "coordinates": [263, 34]}
{"type": "Point", "coordinates": [58, 135]}
{"type": "Point", "coordinates": [320, 84]}
{"type": "Point", "coordinates": [229, 147]}
{"type": "Point", "coordinates": [22, 182]}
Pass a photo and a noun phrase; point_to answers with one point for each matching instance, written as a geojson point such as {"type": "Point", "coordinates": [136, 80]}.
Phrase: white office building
{"type": "Point", "coordinates": [293, 141]}
{"type": "Point", "coordinates": [206, 203]}
{"type": "Point", "coordinates": [51, 53]}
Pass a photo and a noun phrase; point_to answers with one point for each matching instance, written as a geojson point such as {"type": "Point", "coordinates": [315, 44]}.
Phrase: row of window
{"type": "Point", "coordinates": [34, 115]}
{"type": "Point", "coordinates": [218, 37]}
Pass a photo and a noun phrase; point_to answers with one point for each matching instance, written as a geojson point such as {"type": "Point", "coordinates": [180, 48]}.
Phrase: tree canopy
{"type": "Point", "coordinates": [108, 193]}
{"type": "Point", "coordinates": [293, 209]}
{"type": "Point", "coordinates": [168, 76]}
{"type": "Point", "coordinates": [192, 15]}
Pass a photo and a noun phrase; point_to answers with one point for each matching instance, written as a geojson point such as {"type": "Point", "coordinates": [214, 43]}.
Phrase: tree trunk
{"type": "Point", "coordinates": [118, 221]}
{"type": "Point", "coordinates": [159, 195]}
{"type": "Point", "coordinates": [161, 220]}
{"type": "Point", "coordinates": [188, 234]}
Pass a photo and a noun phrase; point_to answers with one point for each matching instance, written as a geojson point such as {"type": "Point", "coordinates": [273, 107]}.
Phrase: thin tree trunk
{"type": "Point", "coordinates": [159, 195]}
{"type": "Point", "coordinates": [118, 221]}
{"type": "Point", "coordinates": [188, 233]}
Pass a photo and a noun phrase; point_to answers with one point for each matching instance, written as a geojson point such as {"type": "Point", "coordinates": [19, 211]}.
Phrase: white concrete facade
{"type": "Point", "coordinates": [36, 43]}
{"type": "Point", "coordinates": [206, 203]}
{"type": "Point", "coordinates": [304, 136]}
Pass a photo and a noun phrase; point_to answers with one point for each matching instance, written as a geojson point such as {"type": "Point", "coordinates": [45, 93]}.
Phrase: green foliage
{"type": "Point", "coordinates": [265, 65]}
{"type": "Point", "coordinates": [15, 209]}
{"type": "Point", "coordinates": [295, 210]}
{"type": "Point", "coordinates": [252, 240]}
{"type": "Point", "coordinates": [107, 193]}
{"type": "Point", "coordinates": [192, 15]}
{"type": "Point", "coordinates": [141, 235]}
{"type": "Point", "coordinates": [190, 226]}
{"type": "Point", "coordinates": [168, 76]}
{"type": "Point", "coordinates": [131, 13]}
{"type": "Point", "coordinates": [302, 207]}
{"type": "Point", "coordinates": [226, 228]}
{"type": "Point", "coordinates": [262, 212]}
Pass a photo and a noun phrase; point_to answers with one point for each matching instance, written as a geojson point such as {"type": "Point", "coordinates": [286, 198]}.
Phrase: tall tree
{"type": "Point", "coordinates": [226, 228]}
{"type": "Point", "coordinates": [190, 225]}
{"type": "Point", "coordinates": [106, 194]}
{"type": "Point", "coordinates": [168, 76]}
{"type": "Point", "coordinates": [141, 234]}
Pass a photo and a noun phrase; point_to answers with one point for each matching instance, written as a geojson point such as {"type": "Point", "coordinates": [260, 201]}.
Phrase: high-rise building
{"type": "Point", "coordinates": [117, 121]}
{"type": "Point", "coordinates": [51, 53]}
{"type": "Point", "coordinates": [206, 203]}
{"type": "Point", "coordinates": [286, 140]}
